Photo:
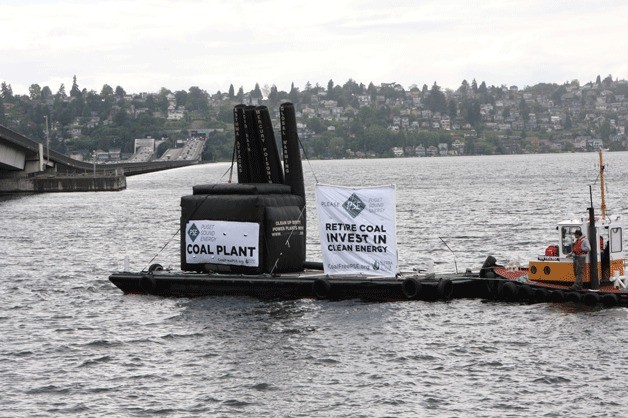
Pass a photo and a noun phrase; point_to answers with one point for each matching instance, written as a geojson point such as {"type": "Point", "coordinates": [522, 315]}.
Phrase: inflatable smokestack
{"type": "Point", "coordinates": [293, 170]}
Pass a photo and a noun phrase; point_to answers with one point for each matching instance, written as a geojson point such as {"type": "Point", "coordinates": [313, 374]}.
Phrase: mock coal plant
{"type": "Point", "coordinates": [258, 224]}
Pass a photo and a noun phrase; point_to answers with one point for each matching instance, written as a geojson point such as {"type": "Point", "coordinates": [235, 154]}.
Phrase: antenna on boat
{"type": "Point", "coordinates": [603, 205]}
{"type": "Point", "coordinates": [452, 251]}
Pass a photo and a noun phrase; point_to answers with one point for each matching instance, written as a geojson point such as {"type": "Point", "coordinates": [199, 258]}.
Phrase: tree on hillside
{"type": "Point", "coordinates": [273, 96]}
{"type": "Point", "coordinates": [256, 93]}
{"type": "Point", "coordinates": [293, 96]}
{"type": "Point", "coordinates": [46, 93]}
{"type": "Point", "coordinates": [181, 97]}
{"type": "Point", "coordinates": [240, 95]}
{"type": "Point", "coordinates": [330, 89]}
{"type": "Point", "coordinates": [436, 101]}
{"type": "Point", "coordinates": [120, 93]}
{"type": "Point", "coordinates": [452, 108]}
{"type": "Point", "coordinates": [464, 88]}
{"type": "Point", "coordinates": [371, 90]}
{"type": "Point", "coordinates": [34, 92]}
{"type": "Point", "coordinates": [198, 100]}
{"type": "Point", "coordinates": [231, 92]}
{"type": "Point", "coordinates": [106, 91]}
{"type": "Point", "coordinates": [75, 91]}
{"type": "Point", "coordinates": [524, 110]}
{"type": "Point", "coordinates": [6, 91]}
{"type": "Point", "coordinates": [3, 119]}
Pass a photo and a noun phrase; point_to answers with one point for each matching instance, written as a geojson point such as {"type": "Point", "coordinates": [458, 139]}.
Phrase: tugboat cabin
{"type": "Point", "coordinates": [556, 266]}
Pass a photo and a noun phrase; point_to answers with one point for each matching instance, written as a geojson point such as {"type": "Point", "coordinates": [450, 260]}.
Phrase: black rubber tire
{"type": "Point", "coordinates": [574, 297]}
{"type": "Point", "coordinates": [321, 289]}
{"type": "Point", "coordinates": [445, 289]}
{"type": "Point", "coordinates": [557, 296]}
{"type": "Point", "coordinates": [411, 288]}
{"type": "Point", "coordinates": [526, 293]}
{"type": "Point", "coordinates": [491, 289]}
{"type": "Point", "coordinates": [609, 300]}
{"type": "Point", "coordinates": [508, 291]}
{"type": "Point", "coordinates": [541, 295]}
{"type": "Point", "coordinates": [148, 284]}
{"type": "Point", "coordinates": [591, 299]}
{"type": "Point", "coordinates": [155, 267]}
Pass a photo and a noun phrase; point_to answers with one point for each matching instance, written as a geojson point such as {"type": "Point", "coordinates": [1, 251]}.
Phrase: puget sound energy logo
{"type": "Point", "coordinates": [354, 205]}
{"type": "Point", "coordinates": [193, 232]}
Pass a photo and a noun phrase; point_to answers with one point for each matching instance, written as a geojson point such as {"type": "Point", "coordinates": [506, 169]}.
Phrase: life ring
{"type": "Point", "coordinates": [487, 268]}
{"type": "Point", "coordinates": [508, 291]}
{"type": "Point", "coordinates": [609, 300]}
{"type": "Point", "coordinates": [155, 267]}
{"type": "Point", "coordinates": [445, 289]}
{"type": "Point", "coordinates": [574, 297]}
{"type": "Point", "coordinates": [411, 288]}
{"type": "Point", "coordinates": [148, 284]}
{"type": "Point", "coordinates": [591, 298]}
{"type": "Point", "coordinates": [321, 288]}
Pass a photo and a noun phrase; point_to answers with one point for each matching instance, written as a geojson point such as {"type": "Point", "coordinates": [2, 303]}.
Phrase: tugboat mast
{"type": "Point", "coordinates": [603, 205]}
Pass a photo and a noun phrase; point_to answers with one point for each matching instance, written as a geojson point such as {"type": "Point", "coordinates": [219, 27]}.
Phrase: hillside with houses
{"type": "Point", "coordinates": [352, 120]}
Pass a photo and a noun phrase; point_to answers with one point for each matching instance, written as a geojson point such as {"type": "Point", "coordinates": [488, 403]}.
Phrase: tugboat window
{"type": "Point", "coordinates": [567, 238]}
{"type": "Point", "coordinates": [616, 240]}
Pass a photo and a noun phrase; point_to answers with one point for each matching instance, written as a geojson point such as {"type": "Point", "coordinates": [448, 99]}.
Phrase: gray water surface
{"type": "Point", "coordinates": [72, 344]}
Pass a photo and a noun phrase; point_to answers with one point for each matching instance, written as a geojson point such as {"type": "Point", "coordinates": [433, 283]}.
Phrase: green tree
{"type": "Point", "coordinates": [181, 97]}
{"type": "Point", "coordinates": [34, 92]}
{"type": "Point", "coordinates": [436, 101]}
{"type": "Point", "coordinates": [46, 93]}
{"type": "Point", "coordinates": [120, 93]}
{"type": "Point", "coordinates": [3, 118]}
{"type": "Point", "coordinates": [107, 91]}
{"type": "Point", "coordinates": [273, 95]}
{"type": "Point", "coordinates": [6, 91]}
{"type": "Point", "coordinates": [524, 110]}
{"type": "Point", "coordinates": [256, 93]}
{"type": "Point", "coordinates": [330, 89]}
{"type": "Point", "coordinates": [240, 95]}
{"type": "Point", "coordinates": [198, 100]}
{"type": "Point", "coordinates": [231, 92]}
{"type": "Point", "coordinates": [294, 94]}
{"type": "Point", "coordinates": [464, 88]}
{"type": "Point", "coordinates": [75, 91]}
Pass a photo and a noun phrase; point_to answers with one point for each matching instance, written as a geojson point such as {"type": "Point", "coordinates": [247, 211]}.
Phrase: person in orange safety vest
{"type": "Point", "coordinates": [580, 250]}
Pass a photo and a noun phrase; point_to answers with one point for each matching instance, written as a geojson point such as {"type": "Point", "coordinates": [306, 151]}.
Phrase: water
{"type": "Point", "coordinates": [73, 344]}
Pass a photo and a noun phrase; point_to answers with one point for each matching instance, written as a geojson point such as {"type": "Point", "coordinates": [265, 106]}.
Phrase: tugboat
{"type": "Point", "coordinates": [248, 238]}
{"type": "Point", "coordinates": [550, 277]}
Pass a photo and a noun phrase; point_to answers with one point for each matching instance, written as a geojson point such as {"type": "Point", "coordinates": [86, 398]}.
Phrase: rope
{"type": "Point", "coordinates": [179, 228]}
{"type": "Point", "coordinates": [307, 159]}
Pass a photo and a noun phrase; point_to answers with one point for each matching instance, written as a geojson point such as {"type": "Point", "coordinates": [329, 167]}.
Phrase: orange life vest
{"type": "Point", "coordinates": [577, 247]}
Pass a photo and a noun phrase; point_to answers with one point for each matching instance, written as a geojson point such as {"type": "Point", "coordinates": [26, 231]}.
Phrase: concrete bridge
{"type": "Point", "coordinates": [29, 166]}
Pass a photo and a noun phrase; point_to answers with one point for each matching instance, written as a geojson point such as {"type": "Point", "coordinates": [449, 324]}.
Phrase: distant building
{"type": "Point", "coordinates": [144, 143]}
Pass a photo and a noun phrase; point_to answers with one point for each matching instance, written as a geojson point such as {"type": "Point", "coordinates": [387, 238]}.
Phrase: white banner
{"type": "Point", "coordinates": [357, 229]}
{"type": "Point", "coordinates": [222, 242]}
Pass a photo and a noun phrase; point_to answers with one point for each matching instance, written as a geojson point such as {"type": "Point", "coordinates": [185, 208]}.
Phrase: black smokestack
{"type": "Point", "coordinates": [271, 164]}
{"type": "Point", "coordinates": [242, 155]}
{"type": "Point", "coordinates": [293, 170]}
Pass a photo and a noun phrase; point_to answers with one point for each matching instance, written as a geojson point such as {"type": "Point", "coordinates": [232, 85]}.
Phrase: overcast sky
{"type": "Point", "coordinates": [148, 44]}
